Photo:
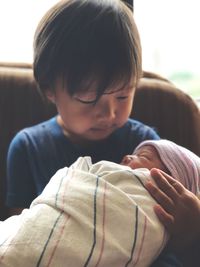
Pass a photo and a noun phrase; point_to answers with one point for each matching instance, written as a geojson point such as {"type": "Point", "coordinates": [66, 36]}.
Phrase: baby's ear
{"type": "Point", "coordinates": [50, 95]}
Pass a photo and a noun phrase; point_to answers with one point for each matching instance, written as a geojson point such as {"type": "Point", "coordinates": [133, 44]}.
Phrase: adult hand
{"type": "Point", "coordinates": [178, 210]}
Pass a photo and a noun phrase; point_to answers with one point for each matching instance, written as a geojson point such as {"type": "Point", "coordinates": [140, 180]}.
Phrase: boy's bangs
{"type": "Point", "coordinates": [99, 79]}
{"type": "Point", "coordinates": [105, 61]}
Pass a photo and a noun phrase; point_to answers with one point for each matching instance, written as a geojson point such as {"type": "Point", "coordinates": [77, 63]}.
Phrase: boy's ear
{"type": "Point", "coordinates": [51, 96]}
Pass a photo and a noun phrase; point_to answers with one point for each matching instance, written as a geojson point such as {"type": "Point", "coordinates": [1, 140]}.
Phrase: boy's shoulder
{"type": "Point", "coordinates": [138, 129]}
{"type": "Point", "coordinates": [135, 123]}
{"type": "Point", "coordinates": [37, 133]}
{"type": "Point", "coordinates": [41, 128]}
{"type": "Point", "coordinates": [50, 123]}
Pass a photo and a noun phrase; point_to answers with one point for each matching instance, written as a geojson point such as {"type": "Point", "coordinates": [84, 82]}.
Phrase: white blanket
{"type": "Point", "coordinates": [88, 215]}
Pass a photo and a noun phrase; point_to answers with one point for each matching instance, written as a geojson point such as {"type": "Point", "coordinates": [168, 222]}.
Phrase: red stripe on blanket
{"type": "Point", "coordinates": [58, 240]}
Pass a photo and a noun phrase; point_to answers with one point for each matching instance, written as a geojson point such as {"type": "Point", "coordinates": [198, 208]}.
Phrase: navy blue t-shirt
{"type": "Point", "coordinates": [37, 152]}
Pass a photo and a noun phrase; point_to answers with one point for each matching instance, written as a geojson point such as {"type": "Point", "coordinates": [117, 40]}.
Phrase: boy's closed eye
{"type": "Point", "coordinates": [86, 97]}
{"type": "Point", "coordinates": [87, 102]}
{"type": "Point", "coordinates": [121, 98]}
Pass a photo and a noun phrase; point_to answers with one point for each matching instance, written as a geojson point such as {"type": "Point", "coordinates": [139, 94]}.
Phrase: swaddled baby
{"type": "Point", "coordinates": [95, 214]}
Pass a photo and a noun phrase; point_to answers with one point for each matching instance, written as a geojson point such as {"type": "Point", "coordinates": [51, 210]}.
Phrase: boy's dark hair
{"type": "Point", "coordinates": [86, 42]}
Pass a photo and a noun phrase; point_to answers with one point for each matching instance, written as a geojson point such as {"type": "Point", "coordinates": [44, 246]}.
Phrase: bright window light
{"type": "Point", "coordinates": [168, 29]}
{"type": "Point", "coordinates": [18, 21]}
{"type": "Point", "coordinates": [170, 39]}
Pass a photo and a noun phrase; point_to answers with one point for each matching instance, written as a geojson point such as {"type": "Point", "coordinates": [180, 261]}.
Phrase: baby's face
{"type": "Point", "coordinates": [145, 157]}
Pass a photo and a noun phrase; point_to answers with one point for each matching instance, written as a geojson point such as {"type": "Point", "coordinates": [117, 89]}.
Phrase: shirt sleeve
{"type": "Point", "coordinates": [149, 132]}
{"type": "Point", "coordinates": [140, 132]}
{"type": "Point", "coordinates": [20, 185]}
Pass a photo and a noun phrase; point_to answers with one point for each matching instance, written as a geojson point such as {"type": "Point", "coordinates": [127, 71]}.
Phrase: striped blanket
{"type": "Point", "coordinates": [88, 215]}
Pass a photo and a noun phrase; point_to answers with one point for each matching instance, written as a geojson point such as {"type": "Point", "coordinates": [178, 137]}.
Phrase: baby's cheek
{"type": "Point", "coordinates": [135, 164]}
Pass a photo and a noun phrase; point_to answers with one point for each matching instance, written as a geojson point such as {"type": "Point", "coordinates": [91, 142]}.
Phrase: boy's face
{"type": "Point", "coordinates": [83, 120]}
{"type": "Point", "coordinates": [144, 157]}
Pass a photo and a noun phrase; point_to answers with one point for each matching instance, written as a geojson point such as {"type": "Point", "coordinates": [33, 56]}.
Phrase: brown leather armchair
{"type": "Point", "coordinates": [170, 111]}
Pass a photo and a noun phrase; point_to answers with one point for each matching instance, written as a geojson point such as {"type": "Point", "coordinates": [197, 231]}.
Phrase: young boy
{"type": "Point", "coordinates": [73, 222]}
{"type": "Point", "coordinates": [87, 60]}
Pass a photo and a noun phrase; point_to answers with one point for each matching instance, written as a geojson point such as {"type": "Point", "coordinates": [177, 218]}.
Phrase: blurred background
{"type": "Point", "coordinates": [168, 30]}
{"type": "Point", "coordinates": [170, 40]}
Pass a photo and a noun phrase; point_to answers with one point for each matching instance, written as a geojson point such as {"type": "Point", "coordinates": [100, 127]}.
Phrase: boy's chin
{"type": "Point", "coordinates": [98, 134]}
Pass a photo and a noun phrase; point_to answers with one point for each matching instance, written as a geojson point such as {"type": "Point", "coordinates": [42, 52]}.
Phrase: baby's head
{"type": "Point", "coordinates": [176, 160]}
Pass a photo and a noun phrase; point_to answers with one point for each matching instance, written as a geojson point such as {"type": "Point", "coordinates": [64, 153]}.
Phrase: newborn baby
{"type": "Point", "coordinates": [97, 214]}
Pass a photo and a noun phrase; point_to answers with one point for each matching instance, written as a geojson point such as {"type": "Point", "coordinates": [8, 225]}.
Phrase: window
{"type": "Point", "coordinates": [170, 40]}
{"type": "Point", "coordinates": [168, 29]}
{"type": "Point", "coordinates": [18, 21]}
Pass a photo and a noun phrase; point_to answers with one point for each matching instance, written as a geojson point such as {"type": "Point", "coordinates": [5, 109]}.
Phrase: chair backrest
{"type": "Point", "coordinates": [157, 103]}
{"type": "Point", "coordinates": [170, 111]}
{"type": "Point", "coordinates": [21, 106]}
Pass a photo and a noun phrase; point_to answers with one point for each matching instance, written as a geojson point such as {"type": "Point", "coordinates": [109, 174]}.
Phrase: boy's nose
{"type": "Point", "coordinates": [108, 111]}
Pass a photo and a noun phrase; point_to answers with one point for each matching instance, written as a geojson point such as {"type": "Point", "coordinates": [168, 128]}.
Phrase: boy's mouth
{"type": "Point", "coordinates": [104, 128]}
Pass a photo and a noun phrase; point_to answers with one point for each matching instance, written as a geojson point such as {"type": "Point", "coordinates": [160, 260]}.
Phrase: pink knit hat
{"type": "Point", "coordinates": [183, 164]}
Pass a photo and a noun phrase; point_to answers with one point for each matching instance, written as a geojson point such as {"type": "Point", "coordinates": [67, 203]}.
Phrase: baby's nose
{"type": "Point", "coordinates": [126, 159]}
